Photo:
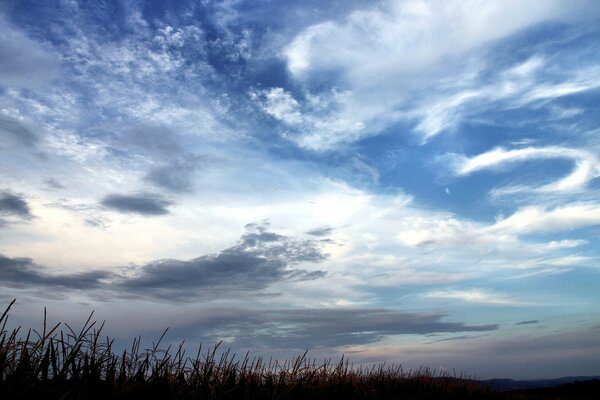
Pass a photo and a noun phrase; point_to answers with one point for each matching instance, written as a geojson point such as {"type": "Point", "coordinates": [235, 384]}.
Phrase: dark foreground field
{"type": "Point", "coordinates": [61, 363]}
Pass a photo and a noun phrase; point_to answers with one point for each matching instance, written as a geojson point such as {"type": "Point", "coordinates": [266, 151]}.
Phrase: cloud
{"type": "Point", "coordinates": [477, 296]}
{"type": "Point", "coordinates": [301, 329]}
{"type": "Point", "coordinates": [144, 204]}
{"type": "Point", "coordinates": [518, 86]}
{"type": "Point", "coordinates": [528, 322]}
{"type": "Point", "coordinates": [14, 132]}
{"type": "Point", "coordinates": [177, 176]}
{"type": "Point", "coordinates": [14, 205]}
{"type": "Point", "coordinates": [260, 259]}
{"type": "Point", "coordinates": [406, 36]}
{"type": "Point", "coordinates": [461, 337]}
{"type": "Point", "coordinates": [173, 165]}
{"type": "Point", "coordinates": [420, 63]}
{"type": "Point", "coordinates": [279, 104]}
{"type": "Point", "coordinates": [311, 124]}
{"type": "Point", "coordinates": [23, 273]}
{"type": "Point", "coordinates": [445, 230]}
{"type": "Point", "coordinates": [26, 63]}
{"type": "Point", "coordinates": [538, 219]}
{"type": "Point", "coordinates": [320, 231]}
{"type": "Point", "coordinates": [53, 184]}
{"type": "Point", "coordinates": [587, 166]}
{"type": "Point", "coordinates": [563, 244]}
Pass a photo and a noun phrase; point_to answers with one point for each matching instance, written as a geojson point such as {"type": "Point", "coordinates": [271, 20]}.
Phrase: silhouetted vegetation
{"type": "Point", "coordinates": [80, 364]}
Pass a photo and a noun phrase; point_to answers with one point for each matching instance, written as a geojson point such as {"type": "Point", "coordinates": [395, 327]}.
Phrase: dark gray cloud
{"type": "Point", "coordinates": [334, 327]}
{"type": "Point", "coordinates": [461, 337]}
{"type": "Point", "coordinates": [24, 273]}
{"type": "Point", "coordinates": [15, 133]}
{"type": "Point", "coordinates": [14, 205]}
{"type": "Point", "coordinates": [533, 321]}
{"type": "Point", "coordinates": [144, 204]}
{"type": "Point", "coordinates": [298, 329]}
{"type": "Point", "coordinates": [320, 231]}
{"type": "Point", "coordinates": [258, 260]}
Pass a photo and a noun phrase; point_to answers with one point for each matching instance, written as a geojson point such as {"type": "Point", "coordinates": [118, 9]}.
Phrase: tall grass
{"type": "Point", "coordinates": [62, 363]}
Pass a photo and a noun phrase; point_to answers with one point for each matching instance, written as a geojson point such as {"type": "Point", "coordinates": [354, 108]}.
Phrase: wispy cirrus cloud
{"type": "Point", "coordinates": [479, 296]}
{"type": "Point", "coordinates": [300, 329]}
{"type": "Point", "coordinates": [587, 166]}
{"type": "Point", "coordinates": [533, 219]}
{"type": "Point", "coordinates": [448, 229]}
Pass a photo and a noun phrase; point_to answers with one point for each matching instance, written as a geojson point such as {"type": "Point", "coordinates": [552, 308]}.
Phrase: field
{"type": "Point", "coordinates": [62, 363]}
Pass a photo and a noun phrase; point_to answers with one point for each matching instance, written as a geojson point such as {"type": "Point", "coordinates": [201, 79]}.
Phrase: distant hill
{"type": "Point", "coordinates": [511, 384]}
{"type": "Point", "coordinates": [578, 390]}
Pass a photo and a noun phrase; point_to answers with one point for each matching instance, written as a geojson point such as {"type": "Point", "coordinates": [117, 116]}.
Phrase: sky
{"type": "Point", "coordinates": [408, 181]}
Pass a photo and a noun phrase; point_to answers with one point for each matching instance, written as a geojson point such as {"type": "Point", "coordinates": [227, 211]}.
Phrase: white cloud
{"type": "Point", "coordinates": [420, 228]}
{"type": "Point", "coordinates": [563, 244]}
{"type": "Point", "coordinates": [308, 122]}
{"type": "Point", "coordinates": [587, 166]}
{"type": "Point", "coordinates": [279, 104]}
{"type": "Point", "coordinates": [75, 147]}
{"type": "Point", "coordinates": [572, 260]}
{"type": "Point", "coordinates": [406, 36]}
{"type": "Point", "coordinates": [478, 296]}
{"type": "Point", "coordinates": [419, 61]}
{"type": "Point", "coordinates": [537, 219]}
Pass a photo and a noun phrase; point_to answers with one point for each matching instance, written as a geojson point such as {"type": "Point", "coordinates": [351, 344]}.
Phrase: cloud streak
{"type": "Point", "coordinates": [587, 166]}
{"type": "Point", "coordinates": [143, 204]}
{"type": "Point", "coordinates": [534, 219]}
{"type": "Point", "coordinates": [23, 273]}
{"type": "Point", "coordinates": [477, 296]}
{"type": "Point", "coordinates": [301, 329]}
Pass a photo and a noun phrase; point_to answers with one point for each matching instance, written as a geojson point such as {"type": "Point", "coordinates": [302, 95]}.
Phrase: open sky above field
{"type": "Point", "coordinates": [401, 181]}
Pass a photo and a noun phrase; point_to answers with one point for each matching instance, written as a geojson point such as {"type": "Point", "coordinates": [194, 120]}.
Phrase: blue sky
{"type": "Point", "coordinates": [402, 181]}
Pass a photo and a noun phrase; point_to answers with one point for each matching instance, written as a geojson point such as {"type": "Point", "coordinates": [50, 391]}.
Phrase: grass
{"type": "Point", "coordinates": [63, 363]}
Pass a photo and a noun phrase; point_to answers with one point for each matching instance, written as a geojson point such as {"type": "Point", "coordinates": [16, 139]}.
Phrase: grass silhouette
{"type": "Point", "coordinates": [63, 363]}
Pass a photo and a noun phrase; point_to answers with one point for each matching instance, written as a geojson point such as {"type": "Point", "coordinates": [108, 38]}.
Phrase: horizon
{"type": "Point", "coordinates": [410, 182]}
